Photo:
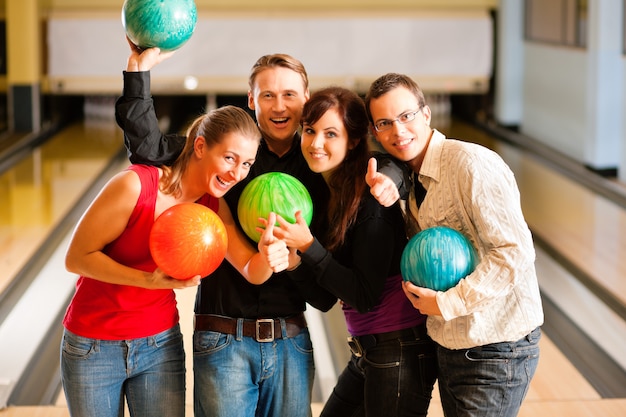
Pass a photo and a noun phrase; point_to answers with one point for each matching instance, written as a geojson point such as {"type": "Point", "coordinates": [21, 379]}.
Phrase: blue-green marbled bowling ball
{"type": "Point", "coordinates": [438, 258]}
{"type": "Point", "coordinates": [166, 24]}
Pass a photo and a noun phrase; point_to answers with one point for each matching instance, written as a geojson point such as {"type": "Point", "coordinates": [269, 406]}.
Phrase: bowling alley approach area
{"type": "Point", "coordinates": [541, 83]}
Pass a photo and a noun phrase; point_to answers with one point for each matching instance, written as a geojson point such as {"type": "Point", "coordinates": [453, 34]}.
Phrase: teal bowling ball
{"type": "Point", "coordinates": [166, 24]}
{"type": "Point", "coordinates": [437, 258]}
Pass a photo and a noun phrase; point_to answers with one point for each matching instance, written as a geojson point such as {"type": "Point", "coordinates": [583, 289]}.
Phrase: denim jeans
{"type": "Point", "coordinates": [236, 376]}
{"type": "Point", "coordinates": [393, 378]}
{"type": "Point", "coordinates": [487, 381]}
{"type": "Point", "coordinates": [149, 372]}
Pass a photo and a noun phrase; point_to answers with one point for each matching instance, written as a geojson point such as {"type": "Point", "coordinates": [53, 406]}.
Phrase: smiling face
{"type": "Point", "coordinates": [325, 143]}
{"type": "Point", "coordinates": [277, 98]}
{"type": "Point", "coordinates": [407, 142]}
{"type": "Point", "coordinates": [226, 163]}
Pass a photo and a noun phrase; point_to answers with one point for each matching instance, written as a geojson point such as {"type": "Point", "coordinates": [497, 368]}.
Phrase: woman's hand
{"type": "Point", "coordinates": [274, 250]}
{"type": "Point", "coordinates": [160, 280]}
{"type": "Point", "coordinates": [296, 235]}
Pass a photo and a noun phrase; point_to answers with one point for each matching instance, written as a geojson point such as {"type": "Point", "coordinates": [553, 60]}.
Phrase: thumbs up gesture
{"type": "Point", "coordinates": [381, 186]}
{"type": "Point", "coordinates": [274, 250]}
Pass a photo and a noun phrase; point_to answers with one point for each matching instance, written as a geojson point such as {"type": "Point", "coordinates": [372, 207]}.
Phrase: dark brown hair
{"type": "Point", "coordinates": [347, 182]}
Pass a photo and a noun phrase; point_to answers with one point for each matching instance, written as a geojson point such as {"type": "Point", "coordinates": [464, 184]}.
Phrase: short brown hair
{"type": "Point", "coordinates": [278, 60]}
{"type": "Point", "coordinates": [388, 82]}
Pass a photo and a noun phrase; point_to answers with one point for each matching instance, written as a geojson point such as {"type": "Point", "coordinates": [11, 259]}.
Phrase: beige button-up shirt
{"type": "Point", "coordinates": [471, 189]}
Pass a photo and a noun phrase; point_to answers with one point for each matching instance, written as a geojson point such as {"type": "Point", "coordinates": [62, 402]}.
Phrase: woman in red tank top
{"type": "Point", "coordinates": [122, 338]}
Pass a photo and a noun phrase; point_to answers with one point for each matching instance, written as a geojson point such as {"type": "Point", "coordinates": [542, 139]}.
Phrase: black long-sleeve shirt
{"type": "Point", "coordinates": [357, 272]}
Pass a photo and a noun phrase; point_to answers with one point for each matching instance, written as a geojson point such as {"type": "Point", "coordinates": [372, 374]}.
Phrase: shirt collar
{"type": "Point", "coordinates": [295, 146]}
{"type": "Point", "coordinates": [431, 167]}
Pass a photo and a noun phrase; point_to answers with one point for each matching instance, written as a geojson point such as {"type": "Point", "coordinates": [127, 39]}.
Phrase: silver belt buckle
{"type": "Point", "coordinates": [355, 346]}
{"type": "Point", "coordinates": [258, 327]}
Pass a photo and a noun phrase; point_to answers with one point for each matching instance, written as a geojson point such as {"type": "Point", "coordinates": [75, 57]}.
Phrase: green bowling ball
{"type": "Point", "coordinates": [275, 192]}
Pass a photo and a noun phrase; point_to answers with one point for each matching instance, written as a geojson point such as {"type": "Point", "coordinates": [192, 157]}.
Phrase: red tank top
{"type": "Point", "coordinates": [100, 310]}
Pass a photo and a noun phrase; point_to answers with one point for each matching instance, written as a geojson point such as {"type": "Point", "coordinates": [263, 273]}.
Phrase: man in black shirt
{"type": "Point", "coordinates": [252, 349]}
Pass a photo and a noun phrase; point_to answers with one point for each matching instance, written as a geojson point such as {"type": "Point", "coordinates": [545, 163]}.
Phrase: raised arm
{"type": "Point", "coordinates": [135, 114]}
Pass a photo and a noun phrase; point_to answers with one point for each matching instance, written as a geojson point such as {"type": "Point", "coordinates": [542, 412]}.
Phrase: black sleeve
{"type": "Point", "coordinates": [134, 113]}
{"type": "Point", "coordinates": [374, 247]}
{"type": "Point", "coordinates": [399, 173]}
{"type": "Point", "coordinates": [313, 293]}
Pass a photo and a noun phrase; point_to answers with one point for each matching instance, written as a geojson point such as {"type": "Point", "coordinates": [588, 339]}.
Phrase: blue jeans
{"type": "Point", "coordinates": [236, 376]}
{"type": "Point", "coordinates": [391, 378]}
{"type": "Point", "coordinates": [487, 381]}
{"type": "Point", "coordinates": [149, 372]}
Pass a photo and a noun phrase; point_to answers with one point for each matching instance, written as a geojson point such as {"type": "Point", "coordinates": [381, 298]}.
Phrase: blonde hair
{"type": "Point", "coordinates": [212, 126]}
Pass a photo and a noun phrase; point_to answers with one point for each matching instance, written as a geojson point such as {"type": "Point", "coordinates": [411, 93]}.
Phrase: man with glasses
{"type": "Point", "coordinates": [487, 326]}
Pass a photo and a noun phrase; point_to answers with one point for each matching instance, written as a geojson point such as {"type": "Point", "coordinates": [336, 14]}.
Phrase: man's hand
{"type": "Point", "coordinates": [381, 186]}
{"type": "Point", "coordinates": [144, 59]}
{"type": "Point", "coordinates": [423, 299]}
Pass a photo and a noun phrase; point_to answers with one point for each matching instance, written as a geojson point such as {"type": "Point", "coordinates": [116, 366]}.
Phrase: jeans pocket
{"type": "Point", "coordinates": [78, 347]}
{"type": "Point", "coordinates": [425, 354]}
{"type": "Point", "coordinates": [302, 342]}
{"type": "Point", "coordinates": [495, 352]}
{"type": "Point", "coordinates": [206, 342]}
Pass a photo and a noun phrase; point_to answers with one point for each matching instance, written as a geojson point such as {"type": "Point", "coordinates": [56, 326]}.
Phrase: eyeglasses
{"type": "Point", "coordinates": [385, 124]}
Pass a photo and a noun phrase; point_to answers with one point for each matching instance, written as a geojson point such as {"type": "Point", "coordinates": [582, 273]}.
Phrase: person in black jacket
{"type": "Point", "coordinates": [393, 365]}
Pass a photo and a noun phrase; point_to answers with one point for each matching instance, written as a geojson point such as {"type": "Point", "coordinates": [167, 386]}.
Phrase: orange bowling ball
{"type": "Point", "coordinates": [188, 239]}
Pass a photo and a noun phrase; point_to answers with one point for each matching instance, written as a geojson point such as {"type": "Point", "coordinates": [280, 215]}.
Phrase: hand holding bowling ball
{"type": "Point", "coordinates": [272, 192]}
{"type": "Point", "coordinates": [438, 258]}
{"type": "Point", "coordinates": [165, 24]}
{"type": "Point", "coordinates": [188, 239]}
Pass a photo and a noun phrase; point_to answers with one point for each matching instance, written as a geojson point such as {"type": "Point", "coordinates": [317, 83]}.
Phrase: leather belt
{"type": "Point", "coordinates": [262, 330]}
{"type": "Point", "coordinates": [359, 344]}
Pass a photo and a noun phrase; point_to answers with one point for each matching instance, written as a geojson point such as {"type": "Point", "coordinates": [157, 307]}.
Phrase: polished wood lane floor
{"type": "Point", "coordinates": [39, 191]}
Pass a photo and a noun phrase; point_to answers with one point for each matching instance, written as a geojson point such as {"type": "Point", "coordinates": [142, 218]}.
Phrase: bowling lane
{"type": "Point", "coordinates": [39, 191]}
{"type": "Point", "coordinates": [43, 196]}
